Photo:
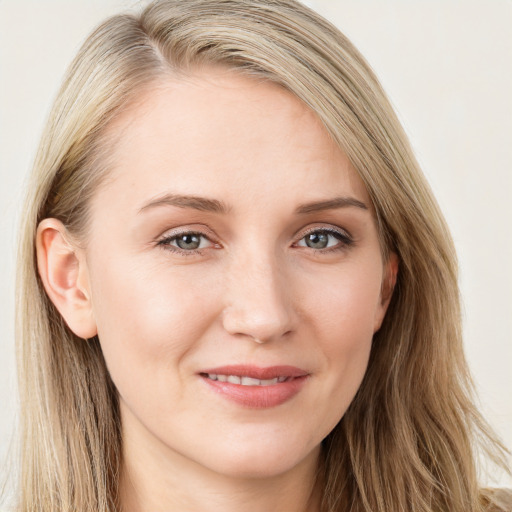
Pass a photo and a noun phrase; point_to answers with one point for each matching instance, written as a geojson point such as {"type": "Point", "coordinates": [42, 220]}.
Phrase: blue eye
{"type": "Point", "coordinates": [324, 239]}
{"type": "Point", "coordinates": [186, 241]}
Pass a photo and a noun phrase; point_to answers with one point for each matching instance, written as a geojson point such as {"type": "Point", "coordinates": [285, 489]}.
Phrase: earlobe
{"type": "Point", "coordinates": [63, 271]}
{"type": "Point", "coordinates": [387, 288]}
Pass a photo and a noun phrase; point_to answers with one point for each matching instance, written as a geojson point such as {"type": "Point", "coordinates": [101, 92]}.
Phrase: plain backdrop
{"type": "Point", "coordinates": [447, 67]}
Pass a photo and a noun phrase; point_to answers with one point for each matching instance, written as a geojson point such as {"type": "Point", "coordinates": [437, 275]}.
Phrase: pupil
{"type": "Point", "coordinates": [188, 242]}
{"type": "Point", "coordinates": [317, 240]}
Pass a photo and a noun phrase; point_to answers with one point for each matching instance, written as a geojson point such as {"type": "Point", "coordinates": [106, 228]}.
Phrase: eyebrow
{"type": "Point", "coordinates": [194, 202]}
{"type": "Point", "coordinates": [213, 205]}
{"type": "Point", "coordinates": [330, 204]}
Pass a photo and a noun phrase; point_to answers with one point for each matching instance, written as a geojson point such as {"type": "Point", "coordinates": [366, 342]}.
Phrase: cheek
{"type": "Point", "coordinates": [148, 319]}
{"type": "Point", "coordinates": [343, 317]}
{"type": "Point", "coordinates": [345, 302]}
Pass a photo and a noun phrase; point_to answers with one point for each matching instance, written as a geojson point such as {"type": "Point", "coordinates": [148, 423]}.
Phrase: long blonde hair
{"type": "Point", "coordinates": [409, 439]}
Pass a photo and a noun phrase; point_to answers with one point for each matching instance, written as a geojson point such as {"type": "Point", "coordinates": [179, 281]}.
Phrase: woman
{"type": "Point", "coordinates": [243, 294]}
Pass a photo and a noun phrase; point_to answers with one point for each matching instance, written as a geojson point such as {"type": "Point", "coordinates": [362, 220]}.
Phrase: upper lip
{"type": "Point", "coordinates": [257, 372]}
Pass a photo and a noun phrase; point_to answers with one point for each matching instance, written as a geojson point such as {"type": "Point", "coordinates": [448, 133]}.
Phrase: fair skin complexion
{"type": "Point", "coordinates": [280, 266]}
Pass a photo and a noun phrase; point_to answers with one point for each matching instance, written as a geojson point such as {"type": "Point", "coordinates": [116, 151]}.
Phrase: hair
{"type": "Point", "coordinates": [412, 435]}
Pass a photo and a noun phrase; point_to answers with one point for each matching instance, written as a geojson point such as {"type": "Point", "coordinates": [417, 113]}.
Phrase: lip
{"type": "Point", "coordinates": [257, 397]}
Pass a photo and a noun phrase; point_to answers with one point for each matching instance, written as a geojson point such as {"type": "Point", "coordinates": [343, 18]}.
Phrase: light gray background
{"type": "Point", "coordinates": [447, 66]}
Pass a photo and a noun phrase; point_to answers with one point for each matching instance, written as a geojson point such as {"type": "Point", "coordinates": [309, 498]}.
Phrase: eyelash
{"type": "Point", "coordinates": [344, 239]}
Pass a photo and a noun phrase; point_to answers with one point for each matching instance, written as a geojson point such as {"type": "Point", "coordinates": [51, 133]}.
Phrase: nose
{"type": "Point", "coordinates": [257, 300]}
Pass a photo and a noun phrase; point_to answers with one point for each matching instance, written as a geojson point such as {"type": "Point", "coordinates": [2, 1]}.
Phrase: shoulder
{"type": "Point", "coordinates": [497, 500]}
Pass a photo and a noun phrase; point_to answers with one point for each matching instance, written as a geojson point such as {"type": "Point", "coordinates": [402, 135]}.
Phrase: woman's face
{"type": "Point", "coordinates": [235, 276]}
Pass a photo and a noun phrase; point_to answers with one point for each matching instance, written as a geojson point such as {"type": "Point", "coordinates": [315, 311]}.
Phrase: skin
{"type": "Point", "coordinates": [254, 292]}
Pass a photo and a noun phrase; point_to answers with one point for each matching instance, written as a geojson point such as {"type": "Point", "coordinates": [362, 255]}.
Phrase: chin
{"type": "Point", "coordinates": [260, 462]}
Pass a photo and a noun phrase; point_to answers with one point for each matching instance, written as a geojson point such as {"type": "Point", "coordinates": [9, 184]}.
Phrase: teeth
{"type": "Point", "coordinates": [246, 381]}
{"type": "Point", "coordinates": [249, 381]}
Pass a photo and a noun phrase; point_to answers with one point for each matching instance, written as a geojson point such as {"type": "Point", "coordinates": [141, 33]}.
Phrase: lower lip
{"type": "Point", "coordinates": [258, 397]}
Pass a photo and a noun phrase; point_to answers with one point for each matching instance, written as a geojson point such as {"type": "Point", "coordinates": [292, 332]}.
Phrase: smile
{"type": "Point", "coordinates": [247, 381]}
{"type": "Point", "coordinates": [255, 387]}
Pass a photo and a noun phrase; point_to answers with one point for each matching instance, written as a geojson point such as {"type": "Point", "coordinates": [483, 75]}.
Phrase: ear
{"type": "Point", "coordinates": [63, 271]}
{"type": "Point", "coordinates": [387, 287]}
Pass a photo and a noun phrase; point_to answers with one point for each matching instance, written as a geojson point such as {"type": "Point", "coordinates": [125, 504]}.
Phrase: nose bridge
{"type": "Point", "coordinates": [257, 299]}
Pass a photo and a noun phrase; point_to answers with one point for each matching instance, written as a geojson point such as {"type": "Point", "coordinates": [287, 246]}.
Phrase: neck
{"type": "Point", "coordinates": [154, 479]}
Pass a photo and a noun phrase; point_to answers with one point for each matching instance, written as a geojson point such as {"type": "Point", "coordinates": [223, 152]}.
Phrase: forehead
{"type": "Point", "coordinates": [218, 133]}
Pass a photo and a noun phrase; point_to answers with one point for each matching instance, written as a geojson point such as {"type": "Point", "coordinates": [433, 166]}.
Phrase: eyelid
{"type": "Point", "coordinates": [323, 227]}
{"type": "Point", "coordinates": [198, 229]}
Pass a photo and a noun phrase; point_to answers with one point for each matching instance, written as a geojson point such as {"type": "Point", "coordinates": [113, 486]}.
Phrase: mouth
{"type": "Point", "coordinates": [245, 380]}
{"type": "Point", "coordinates": [255, 387]}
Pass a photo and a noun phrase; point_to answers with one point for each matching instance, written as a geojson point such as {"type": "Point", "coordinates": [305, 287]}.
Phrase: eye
{"type": "Point", "coordinates": [325, 239]}
{"type": "Point", "coordinates": [188, 242]}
